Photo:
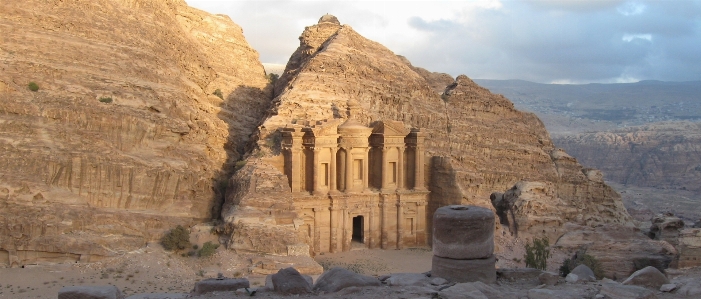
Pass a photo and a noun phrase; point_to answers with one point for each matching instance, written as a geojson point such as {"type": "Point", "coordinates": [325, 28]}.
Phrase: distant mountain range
{"type": "Point", "coordinates": [568, 108]}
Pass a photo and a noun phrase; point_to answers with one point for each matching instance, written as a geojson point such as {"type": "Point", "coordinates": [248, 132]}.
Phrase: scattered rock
{"type": "Point", "coordinates": [584, 273]}
{"type": "Point", "coordinates": [289, 281]}
{"type": "Point", "coordinates": [572, 278]}
{"type": "Point", "coordinates": [668, 287]}
{"type": "Point", "coordinates": [552, 294]}
{"type": "Point", "coordinates": [548, 278]}
{"type": "Point", "coordinates": [220, 285]}
{"type": "Point", "coordinates": [647, 277]}
{"type": "Point", "coordinates": [691, 288]}
{"type": "Point", "coordinates": [519, 273]}
{"type": "Point", "coordinates": [619, 291]}
{"type": "Point", "coordinates": [337, 279]}
{"type": "Point", "coordinates": [462, 290]}
{"type": "Point", "coordinates": [408, 279]}
{"type": "Point", "coordinates": [90, 292]}
{"type": "Point", "coordinates": [465, 270]}
{"type": "Point", "coordinates": [437, 281]}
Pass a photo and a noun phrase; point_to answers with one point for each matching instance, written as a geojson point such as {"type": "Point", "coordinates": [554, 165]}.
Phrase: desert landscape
{"type": "Point", "coordinates": [148, 150]}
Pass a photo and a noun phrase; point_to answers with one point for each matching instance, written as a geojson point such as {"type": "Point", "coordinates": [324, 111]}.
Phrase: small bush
{"type": "Point", "coordinates": [581, 258]}
{"type": "Point", "coordinates": [218, 93]}
{"type": "Point", "coordinates": [105, 100]}
{"type": "Point", "coordinates": [176, 239]}
{"type": "Point", "coordinates": [272, 78]}
{"type": "Point", "coordinates": [537, 253]}
{"type": "Point", "coordinates": [33, 86]}
{"type": "Point", "coordinates": [240, 164]}
{"type": "Point", "coordinates": [208, 249]}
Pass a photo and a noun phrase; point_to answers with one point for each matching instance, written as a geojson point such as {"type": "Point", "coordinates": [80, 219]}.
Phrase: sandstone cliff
{"type": "Point", "coordinates": [124, 137]}
{"type": "Point", "coordinates": [481, 142]}
{"type": "Point", "coordinates": [661, 155]}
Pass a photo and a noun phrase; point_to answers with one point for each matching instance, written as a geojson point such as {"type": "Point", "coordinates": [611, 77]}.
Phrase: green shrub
{"type": "Point", "coordinates": [176, 239]}
{"type": "Point", "coordinates": [581, 258]}
{"type": "Point", "coordinates": [33, 86]}
{"type": "Point", "coordinates": [272, 78]}
{"type": "Point", "coordinates": [240, 164]}
{"type": "Point", "coordinates": [208, 249]}
{"type": "Point", "coordinates": [105, 100]}
{"type": "Point", "coordinates": [218, 93]}
{"type": "Point", "coordinates": [537, 253]}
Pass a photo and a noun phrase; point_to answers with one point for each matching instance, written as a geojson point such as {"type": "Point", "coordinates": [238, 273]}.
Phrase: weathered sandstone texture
{"type": "Point", "coordinates": [661, 155]}
{"type": "Point", "coordinates": [689, 248]}
{"type": "Point", "coordinates": [124, 138]}
{"type": "Point", "coordinates": [476, 143]}
{"type": "Point", "coordinates": [620, 250]}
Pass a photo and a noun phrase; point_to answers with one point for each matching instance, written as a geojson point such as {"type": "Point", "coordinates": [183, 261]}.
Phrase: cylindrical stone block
{"type": "Point", "coordinates": [465, 270]}
{"type": "Point", "coordinates": [463, 232]}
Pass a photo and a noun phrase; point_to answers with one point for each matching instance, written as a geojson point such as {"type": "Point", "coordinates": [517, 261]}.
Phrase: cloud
{"type": "Point", "coordinates": [541, 41]}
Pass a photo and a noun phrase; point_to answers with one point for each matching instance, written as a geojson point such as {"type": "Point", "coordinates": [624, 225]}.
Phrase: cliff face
{"type": "Point", "coordinates": [662, 155]}
{"type": "Point", "coordinates": [125, 137]}
{"type": "Point", "coordinates": [486, 143]}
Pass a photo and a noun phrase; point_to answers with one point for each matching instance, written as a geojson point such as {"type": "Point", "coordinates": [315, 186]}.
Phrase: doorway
{"type": "Point", "coordinates": [358, 229]}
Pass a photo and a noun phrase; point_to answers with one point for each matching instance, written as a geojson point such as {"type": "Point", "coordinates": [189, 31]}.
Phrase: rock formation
{"type": "Point", "coordinates": [141, 109]}
{"type": "Point", "coordinates": [476, 141]}
{"type": "Point", "coordinates": [661, 155]}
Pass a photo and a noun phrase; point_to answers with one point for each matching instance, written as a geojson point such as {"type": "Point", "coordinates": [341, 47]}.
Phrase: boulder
{"type": "Point", "coordinates": [620, 250]}
{"type": "Point", "coordinates": [475, 289]}
{"type": "Point", "coordinates": [666, 227]}
{"type": "Point", "coordinates": [584, 273]}
{"type": "Point", "coordinates": [668, 287]}
{"type": "Point", "coordinates": [548, 278]}
{"type": "Point", "coordinates": [553, 294]}
{"type": "Point", "coordinates": [337, 279]}
{"type": "Point", "coordinates": [220, 285]}
{"type": "Point", "coordinates": [463, 232]}
{"type": "Point", "coordinates": [572, 278]}
{"type": "Point", "coordinates": [408, 279]}
{"type": "Point", "coordinates": [619, 291]}
{"type": "Point", "coordinates": [519, 273]}
{"type": "Point", "coordinates": [90, 292]}
{"type": "Point", "coordinates": [289, 281]}
{"type": "Point", "coordinates": [691, 288]}
{"type": "Point", "coordinates": [437, 281]}
{"type": "Point", "coordinates": [465, 270]}
{"type": "Point", "coordinates": [647, 277]}
{"type": "Point", "coordinates": [689, 248]}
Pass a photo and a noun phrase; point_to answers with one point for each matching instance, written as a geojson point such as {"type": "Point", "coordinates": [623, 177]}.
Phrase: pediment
{"type": "Point", "coordinates": [391, 128]}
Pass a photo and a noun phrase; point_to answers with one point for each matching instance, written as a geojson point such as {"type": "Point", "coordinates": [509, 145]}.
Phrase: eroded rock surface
{"type": "Point", "coordinates": [124, 137]}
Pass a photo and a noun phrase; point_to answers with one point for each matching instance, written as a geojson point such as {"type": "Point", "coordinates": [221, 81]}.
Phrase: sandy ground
{"type": "Point", "coordinates": [154, 271]}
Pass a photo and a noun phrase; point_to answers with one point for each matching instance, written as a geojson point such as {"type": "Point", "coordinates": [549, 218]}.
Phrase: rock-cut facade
{"type": "Point", "coordinates": [354, 185]}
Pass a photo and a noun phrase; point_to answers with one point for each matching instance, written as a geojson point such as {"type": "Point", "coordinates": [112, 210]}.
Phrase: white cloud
{"type": "Point", "coordinates": [632, 8]}
{"type": "Point", "coordinates": [632, 37]}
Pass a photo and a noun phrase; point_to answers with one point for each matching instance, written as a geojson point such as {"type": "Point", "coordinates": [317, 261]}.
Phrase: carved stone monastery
{"type": "Point", "coordinates": [355, 185]}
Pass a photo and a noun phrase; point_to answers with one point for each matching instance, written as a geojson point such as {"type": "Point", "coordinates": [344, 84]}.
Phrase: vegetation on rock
{"type": "Point", "coordinates": [208, 249]}
{"type": "Point", "coordinates": [33, 86]}
{"type": "Point", "coordinates": [218, 93]}
{"type": "Point", "coordinates": [176, 239]}
{"type": "Point", "coordinates": [581, 258]}
{"type": "Point", "coordinates": [105, 100]}
{"type": "Point", "coordinates": [537, 253]}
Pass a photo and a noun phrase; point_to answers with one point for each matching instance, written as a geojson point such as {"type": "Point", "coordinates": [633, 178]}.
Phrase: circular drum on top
{"type": "Point", "coordinates": [463, 232]}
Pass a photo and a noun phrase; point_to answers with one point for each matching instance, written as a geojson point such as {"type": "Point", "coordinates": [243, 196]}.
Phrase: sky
{"type": "Point", "coordinates": [545, 41]}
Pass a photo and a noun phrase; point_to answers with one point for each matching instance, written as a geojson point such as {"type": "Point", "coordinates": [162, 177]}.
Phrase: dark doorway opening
{"type": "Point", "coordinates": [358, 229]}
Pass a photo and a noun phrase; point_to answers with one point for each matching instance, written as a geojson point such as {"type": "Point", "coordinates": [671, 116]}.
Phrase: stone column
{"type": "Point", "coordinates": [400, 168]}
{"type": "Point", "coordinates": [366, 174]}
{"type": "Point", "coordinates": [317, 231]}
{"type": "Point", "coordinates": [383, 186]}
{"type": "Point", "coordinates": [349, 169]}
{"type": "Point", "coordinates": [295, 152]}
{"type": "Point", "coordinates": [400, 224]}
{"type": "Point", "coordinates": [334, 234]}
{"type": "Point", "coordinates": [342, 168]}
{"type": "Point", "coordinates": [372, 230]}
{"type": "Point", "coordinates": [421, 223]}
{"type": "Point", "coordinates": [384, 231]}
{"type": "Point", "coordinates": [347, 233]}
{"type": "Point", "coordinates": [419, 169]}
{"type": "Point", "coordinates": [332, 170]}
{"type": "Point", "coordinates": [315, 167]}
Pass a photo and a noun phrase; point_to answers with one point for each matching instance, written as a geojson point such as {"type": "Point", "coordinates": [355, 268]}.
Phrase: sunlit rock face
{"type": "Point", "coordinates": [476, 142]}
{"type": "Point", "coordinates": [141, 109]}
